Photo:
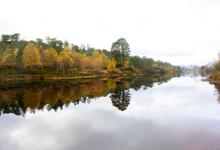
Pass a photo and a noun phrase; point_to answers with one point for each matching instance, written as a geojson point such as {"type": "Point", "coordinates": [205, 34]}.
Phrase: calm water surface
{"type": "Point", "coordinates": [181, 114]}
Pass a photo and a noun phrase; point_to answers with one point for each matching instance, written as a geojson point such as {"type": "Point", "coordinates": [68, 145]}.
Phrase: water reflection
{"type": "Point", "coordinates": [121, 97]}
{"type": "Point", "coordinates": [217, 88]}
{"type": "Point", "coordinates": [182, 114]}
{"type": "Point", "coordinates": [56, 95]}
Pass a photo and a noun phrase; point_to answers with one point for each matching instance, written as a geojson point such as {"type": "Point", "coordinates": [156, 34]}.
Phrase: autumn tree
{"type": "Point", "coordinates": [50, 57]}
{"type": "Point", "coordinates": [8, 58]}
{"type": "Point", "coordinates": [105, 60]}
{"type": "Point", "coordinates": [65, 61]}
{"type": "Point", "coordinates": [86, 63]}
{"type": "Point", "coordinates": [99, 61]}
{"type": "Point", "coordinates": [77, 60]}
{"type": "Point", "coordinates": [111, 65]}
{"type": "Point", "coordinates": [31, 57]}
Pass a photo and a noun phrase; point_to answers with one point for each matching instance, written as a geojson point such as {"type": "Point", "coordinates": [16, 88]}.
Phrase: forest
{"type": "Point", "coordinates": [53, 57]}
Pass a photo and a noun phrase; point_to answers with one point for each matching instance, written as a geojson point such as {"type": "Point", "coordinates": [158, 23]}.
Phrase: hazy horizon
{"type": "Point", "coordinates": [180, 32]}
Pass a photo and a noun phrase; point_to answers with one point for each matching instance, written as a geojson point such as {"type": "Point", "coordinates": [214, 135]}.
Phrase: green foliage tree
{"type": "Point", "coordinates": [54, 43]}
{"type": "Point", "coordinates": [120, 51]}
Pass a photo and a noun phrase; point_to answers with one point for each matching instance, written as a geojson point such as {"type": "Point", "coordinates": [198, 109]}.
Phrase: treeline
{"type": "Point", "coordinates": [149, 66]}
{"type": "Point", "coordinates": [58, 56]}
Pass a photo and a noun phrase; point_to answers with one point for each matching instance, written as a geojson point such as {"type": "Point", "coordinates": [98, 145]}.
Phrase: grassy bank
{"type": "Point", "coordinates": [11, 75]}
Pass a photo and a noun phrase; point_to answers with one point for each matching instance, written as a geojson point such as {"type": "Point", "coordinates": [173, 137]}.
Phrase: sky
{"type": "Point", "coordinates": [182, 32]}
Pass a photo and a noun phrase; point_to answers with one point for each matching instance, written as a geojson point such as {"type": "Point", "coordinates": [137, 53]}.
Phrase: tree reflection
{"type": "Point", "coordinates": [59, 94]}
{"type": "Point", "coordinates": [217, 87]}
{"type": "Point", "coordinates": [121, 97]}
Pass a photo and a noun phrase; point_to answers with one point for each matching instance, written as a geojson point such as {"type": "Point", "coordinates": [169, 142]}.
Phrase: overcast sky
{"type": "Point", "coordinates": [182, 32]}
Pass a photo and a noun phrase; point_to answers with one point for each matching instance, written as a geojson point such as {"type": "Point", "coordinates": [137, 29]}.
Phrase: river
{"type": "Point", "coordinates": [182, 113]}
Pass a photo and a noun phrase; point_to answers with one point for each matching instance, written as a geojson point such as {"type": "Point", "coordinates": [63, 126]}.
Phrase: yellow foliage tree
{"type": "Point", "coordinates": [77, 60]}
{"type": "Point", "coordinates": [105, 60]}
{"type": "Point", "coordinates": [8, 58]}
{"type": "Point", "coordinates": [31, 57]}
{"type": "Point", "coordinates": [99, 61]}
{"type": "Point", "coordinates": [50, 57]}
{"type": "Point", "coordinates": [111, 65]}
{"type": "Point", "coordinates": [96, 62]}
{"type": "Point", "coordinates": [86, 63]}
{"type": "Point", "coordinates": [65, 61]}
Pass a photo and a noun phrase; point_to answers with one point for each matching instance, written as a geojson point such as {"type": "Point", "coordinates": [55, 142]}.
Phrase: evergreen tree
{"type": "Point", "coordinates": [120, 51]}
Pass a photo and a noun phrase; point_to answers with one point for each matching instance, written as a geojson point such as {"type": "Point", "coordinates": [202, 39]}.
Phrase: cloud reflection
{"type": "Point", "coordinates": [163, 117]}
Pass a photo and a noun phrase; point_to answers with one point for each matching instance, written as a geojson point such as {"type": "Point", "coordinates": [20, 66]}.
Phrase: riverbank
{"type": "Point", "coordinates": [214, 79]}
{"type": "Point", "coordinates": [13, 75]}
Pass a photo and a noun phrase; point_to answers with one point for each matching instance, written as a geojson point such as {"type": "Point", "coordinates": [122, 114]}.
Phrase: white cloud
{"type": "Point", "coordinates": [171, 30]}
